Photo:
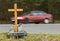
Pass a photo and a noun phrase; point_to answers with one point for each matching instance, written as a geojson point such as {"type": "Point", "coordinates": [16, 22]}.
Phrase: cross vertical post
{"type": "Point", "coordinates": [15, 16]}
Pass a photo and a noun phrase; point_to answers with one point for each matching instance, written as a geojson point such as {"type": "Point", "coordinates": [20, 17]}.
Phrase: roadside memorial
{"type": "Point", "coordinates": [16, 29]}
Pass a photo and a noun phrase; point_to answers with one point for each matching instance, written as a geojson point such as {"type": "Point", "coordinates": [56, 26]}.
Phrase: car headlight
{"type": "Point", "coordinates": [19, 17]}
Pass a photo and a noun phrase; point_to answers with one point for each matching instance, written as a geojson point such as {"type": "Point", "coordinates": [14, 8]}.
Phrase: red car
{"type": "Point", "coordinates": [35, 17]}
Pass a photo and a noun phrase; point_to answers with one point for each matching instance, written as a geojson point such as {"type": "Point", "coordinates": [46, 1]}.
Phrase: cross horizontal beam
{"type": "Point", "coordinates": [11, 10]}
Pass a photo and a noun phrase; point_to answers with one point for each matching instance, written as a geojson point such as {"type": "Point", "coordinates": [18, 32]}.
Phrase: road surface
{"type": "Point", "coordinates": [35, 28]}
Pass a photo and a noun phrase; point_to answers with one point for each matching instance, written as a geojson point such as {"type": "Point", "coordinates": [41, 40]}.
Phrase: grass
{"type": "Point", "coordinates": [32, 37]}
{"type": "Point", "coordinates": [42, 37]}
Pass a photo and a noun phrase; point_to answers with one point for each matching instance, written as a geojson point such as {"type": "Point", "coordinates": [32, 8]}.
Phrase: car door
{"type": "Point", "coordinates": [32, 17]}
{"type": "Point", "coordinates": [35, 16]}
{"type": "Point", "coordinates": [41, 16]}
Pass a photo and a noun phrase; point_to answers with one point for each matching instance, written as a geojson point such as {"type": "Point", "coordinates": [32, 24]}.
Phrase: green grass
{"type": "Point", "coordinates": [32, 37]}
{"type": "Point", "coordinates": [42, 37]}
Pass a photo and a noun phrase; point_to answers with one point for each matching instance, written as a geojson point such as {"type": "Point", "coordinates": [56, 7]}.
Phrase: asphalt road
{"type": "Point", "coordinates": [35, 28]}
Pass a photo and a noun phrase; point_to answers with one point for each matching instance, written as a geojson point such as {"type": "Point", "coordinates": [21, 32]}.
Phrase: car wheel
{"type": "Point", "coordinates": [46, 21]}
{"type": "Point", "coordinates": [26, 21]}
{"type": "Point", "coordinates": [37, 23]}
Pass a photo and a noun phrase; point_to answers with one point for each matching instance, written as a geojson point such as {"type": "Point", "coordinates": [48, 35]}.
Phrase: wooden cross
{"type": "Point", "coordinates": [15, 16]}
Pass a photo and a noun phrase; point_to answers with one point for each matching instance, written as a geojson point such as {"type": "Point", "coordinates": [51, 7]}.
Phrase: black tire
{"type": "Point", "coordinates": [26, 21]}
{"type": "Point", "coordinates": [36, 22]}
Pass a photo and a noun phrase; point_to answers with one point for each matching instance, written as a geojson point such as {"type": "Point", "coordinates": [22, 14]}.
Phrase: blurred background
{"type": "Point", "coordinates": [49, 6]}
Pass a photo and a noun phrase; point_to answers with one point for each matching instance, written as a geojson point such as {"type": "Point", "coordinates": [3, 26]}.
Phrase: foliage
{"type": "Point", "coordinates": [50, 6]}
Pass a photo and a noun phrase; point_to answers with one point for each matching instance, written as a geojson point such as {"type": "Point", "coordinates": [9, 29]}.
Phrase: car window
{"type": "Point", "coordinates": [42, 13]}
{"type": "Point", "coordinates": [37, 13]}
